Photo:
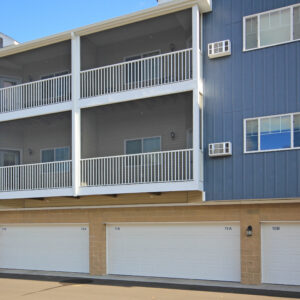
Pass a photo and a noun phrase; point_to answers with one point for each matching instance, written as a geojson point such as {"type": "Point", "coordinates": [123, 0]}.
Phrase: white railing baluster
{"type": "Point", "coordinates": [141, 73]}
{"type": "Point", "coordinates": [165, 166]}
{"type": "Point", "coordinates": [52, 175]}
{"type": "Point", "coordinates": [34, 94]}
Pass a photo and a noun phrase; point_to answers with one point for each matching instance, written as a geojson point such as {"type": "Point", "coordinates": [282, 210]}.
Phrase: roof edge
{"type": "Point", "coordinates": [156, 11]}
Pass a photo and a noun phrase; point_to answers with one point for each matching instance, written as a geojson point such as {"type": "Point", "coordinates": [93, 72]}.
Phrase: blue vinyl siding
{"type": "Point", "coordinates": [250, 84]}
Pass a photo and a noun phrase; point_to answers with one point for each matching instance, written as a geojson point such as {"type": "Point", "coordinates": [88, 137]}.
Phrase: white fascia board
{"type": "Point", "coordinates": [37, 111]}
{"type": "Point", "coordinates": [156, 11]}
{"type": "Point", "coordinates": [144, 93]}
{"type": "Point", "coordinates": [36, 194]}
{"type": "Point", "coordinates": [140, 188]}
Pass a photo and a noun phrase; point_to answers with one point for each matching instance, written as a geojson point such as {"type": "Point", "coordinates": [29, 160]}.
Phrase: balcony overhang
{"type": "Point", "coordinates": [156, 11]}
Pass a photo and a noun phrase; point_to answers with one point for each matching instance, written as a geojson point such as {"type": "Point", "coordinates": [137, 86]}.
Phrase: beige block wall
{"type": "Point", "coordinates": [105, 129]}
{"type": "Point", "coordinates": [245, 214]}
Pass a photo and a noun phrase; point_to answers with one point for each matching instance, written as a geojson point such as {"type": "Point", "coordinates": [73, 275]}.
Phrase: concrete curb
{"type": "Point", "coordinates": [166, 283]}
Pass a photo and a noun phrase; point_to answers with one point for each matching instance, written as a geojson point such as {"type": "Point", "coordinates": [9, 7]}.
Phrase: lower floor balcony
{"type": "Point", "coordinates": [41, 176]}
{"type": "Point", "coordinates": [155, 167]}
{"type": "Point", "coordinates": [103, 173]}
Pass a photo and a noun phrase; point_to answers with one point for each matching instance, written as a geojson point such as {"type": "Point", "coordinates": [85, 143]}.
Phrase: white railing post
{"type": "Point", "coordinates": [196, 93]}
{"type": "Point", "coordinates": [76, 115]}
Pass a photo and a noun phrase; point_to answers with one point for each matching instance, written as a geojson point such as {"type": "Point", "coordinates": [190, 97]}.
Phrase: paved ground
{"type": "Point", "coordinates": [58, 288]}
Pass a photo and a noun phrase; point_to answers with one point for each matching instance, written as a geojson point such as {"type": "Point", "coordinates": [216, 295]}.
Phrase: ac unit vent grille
{"type": "Point", "coordinates": [220, 149]}
{"type": "Point", "coordinates": [219, 49]}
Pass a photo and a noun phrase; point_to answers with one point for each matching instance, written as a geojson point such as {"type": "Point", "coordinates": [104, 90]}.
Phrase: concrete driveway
{"type": "Point", "coordinates": [64, 289]}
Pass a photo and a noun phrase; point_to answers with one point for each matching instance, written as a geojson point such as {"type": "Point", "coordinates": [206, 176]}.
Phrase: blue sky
{"type": "Point", "coordinates": [26, 20]}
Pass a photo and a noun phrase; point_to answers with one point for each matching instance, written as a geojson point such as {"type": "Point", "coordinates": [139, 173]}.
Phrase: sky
{"type": "Point", "coordinates": [26, 20]}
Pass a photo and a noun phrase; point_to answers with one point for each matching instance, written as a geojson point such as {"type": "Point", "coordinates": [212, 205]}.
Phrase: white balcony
{"type": "Point", "coordinates": [148, 72]}
{"type": "Point", "coordinates": [145, 168]}
{"type": "Point", "coordinates": [31, 177]}
{"type": "Point", "coordinates": [35, 94]}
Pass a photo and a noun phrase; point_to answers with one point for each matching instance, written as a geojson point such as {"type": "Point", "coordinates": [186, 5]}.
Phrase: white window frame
{"type": "Point", "coordinates": [142, 138]}
{"type": "Point", "coordinates": [291, 115]}
{"type": "Point", "coordinates": [54, 148]}
{"type": "Point", "coordinates": [291, 7]}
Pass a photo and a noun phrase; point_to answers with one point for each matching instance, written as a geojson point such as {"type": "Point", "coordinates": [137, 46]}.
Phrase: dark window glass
{"type": "Point", "coordinates": [134, 146]}
{"type": "Point", "coordinates": [251, 33]}
{"type": "Point", "coordinates": [252, 135]}
{"type": "Point", "coordinates": [297, 130]}
{"type": "Point", "coordinates": [296, 23]}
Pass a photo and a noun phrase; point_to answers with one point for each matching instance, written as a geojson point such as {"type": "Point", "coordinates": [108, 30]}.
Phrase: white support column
{"type": "Point", "coordinates": [76, 117]}
{"type": "Point", "coordinates": [197, 168]}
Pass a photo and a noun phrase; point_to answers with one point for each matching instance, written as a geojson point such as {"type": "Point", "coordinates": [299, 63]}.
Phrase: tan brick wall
{"type": "Point", "coordinates": [246, 214]}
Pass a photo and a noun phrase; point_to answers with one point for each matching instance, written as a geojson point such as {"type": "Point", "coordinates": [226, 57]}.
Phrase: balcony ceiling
{"type": "Point", "coordinates": [35, 55]}
{"type": "Point", "coordinates": [179, 21]}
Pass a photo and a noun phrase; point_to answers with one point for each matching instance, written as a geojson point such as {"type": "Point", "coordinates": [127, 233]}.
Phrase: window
{"type": "Point", "coordinates": [272, 133]}
{"type": "Point", "coordinates": [297, 130]}
{"type": "Point", "coordinates": [55, 154]}
{"type": "Point", "coordinates": [296, 23]}
{"type": "Point", "coordinates": [9, 158]}
{"type": "Point", "coordinates": [143, 55]}
{"type": "Point", "coordinates": [272, 28]}
{"type": "Point", "coordinates": [143, 145]}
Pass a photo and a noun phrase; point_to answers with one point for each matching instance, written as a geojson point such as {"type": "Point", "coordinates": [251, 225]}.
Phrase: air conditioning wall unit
{"type": "Point", "coordinates": [219, 49]}
{"type": "Point", "coordinates": [220, 149]}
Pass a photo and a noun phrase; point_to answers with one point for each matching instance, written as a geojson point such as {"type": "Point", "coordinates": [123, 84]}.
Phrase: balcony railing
{"type": "Point", "coordinates": [52, 175]}
{"type": "Point", "coordinates": [38, 93]}
{"type": "Point", "coordinates": [141, 73]}
{"type": "Point", "coordinates": [156, 167]}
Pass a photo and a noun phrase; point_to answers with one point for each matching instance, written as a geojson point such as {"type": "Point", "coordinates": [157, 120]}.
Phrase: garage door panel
{"type": "Point", "coordinates": [182, 251]}
{"type": "Point", "coordinates": [45, 247]}
{"type": "Point", "coordinates": [281, 253]}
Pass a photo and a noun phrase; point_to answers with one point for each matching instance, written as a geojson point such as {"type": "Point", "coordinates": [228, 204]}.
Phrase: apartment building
{"type": "Point", "coordinates": [162, 143]}
{"type": "Point", "coordinates": [6, 40]}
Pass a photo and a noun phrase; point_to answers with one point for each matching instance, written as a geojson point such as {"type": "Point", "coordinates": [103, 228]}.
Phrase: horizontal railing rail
{"type": "Point", "coordinates": [52, 175]}
{"type": "Point", "coordinates": [38, 93]}
{"type": "Point", "coordinates": [156, 167]}
{"type": "Point", "coordinates": [141, 73]}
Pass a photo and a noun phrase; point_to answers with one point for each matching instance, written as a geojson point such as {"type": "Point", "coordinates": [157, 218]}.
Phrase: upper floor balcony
{"type": "Point", "coordinates": [149, 54]}
{"type": "Point", "coordinates": [36, 78]}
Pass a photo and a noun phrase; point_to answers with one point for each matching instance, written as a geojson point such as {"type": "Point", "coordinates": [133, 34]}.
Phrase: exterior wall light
{"type": "Point", "coordinates": [249, 230]}
{"type": "Point", "coordinates": [173, 135]}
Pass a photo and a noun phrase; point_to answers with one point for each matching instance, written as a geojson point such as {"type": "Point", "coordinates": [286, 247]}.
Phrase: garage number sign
{"type": "Point", "coordinates": [276, 228]}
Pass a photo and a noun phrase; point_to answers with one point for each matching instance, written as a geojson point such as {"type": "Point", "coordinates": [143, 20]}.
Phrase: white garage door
{"type": "Point", "coordinates": [281, 253]}
{"type": "Point", "coordinates": [206, 251]}
{"type": "Point", "coordinates": [45, 247]}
